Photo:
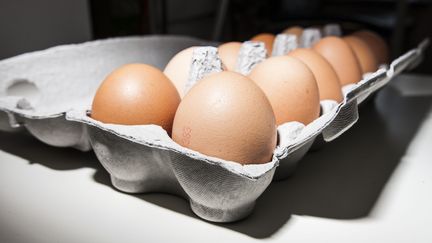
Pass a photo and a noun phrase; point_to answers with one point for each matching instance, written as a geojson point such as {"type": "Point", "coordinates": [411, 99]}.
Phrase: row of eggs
{"type": "Point", "coordinates": [233, 116]}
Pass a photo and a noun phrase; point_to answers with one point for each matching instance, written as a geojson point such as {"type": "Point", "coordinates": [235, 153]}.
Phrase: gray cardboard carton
{"type": "Point", "coordinates": [49, 94]}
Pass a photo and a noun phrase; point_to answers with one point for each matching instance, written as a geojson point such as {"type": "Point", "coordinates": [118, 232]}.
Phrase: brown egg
{"type": "Point", "coordinates": [325, 76]}
{"type": "Point", "coordinates": [376, 43]}
{"type": "Point", "coordinates": [342, 58]}
{"type": "Point", "coordinates": [228, 53]}
{"type": "Point", "coordinates": [136, 94]}
{"type": "Point", "coordinates": [226, 115]}
{"type": "Point", "coordinates": [268, 40]}
{"type": "Point", "coordinates": [291, 88]}
{"type": "Point", "coordinates": [177, 69]}
{"type": "Point", "coordinates": [364, 54]}
{"type": "Point", "coordinates": [294, 30]}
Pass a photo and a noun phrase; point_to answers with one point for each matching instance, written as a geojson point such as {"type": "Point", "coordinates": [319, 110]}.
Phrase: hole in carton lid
{"type": "Point", "coordinates": [25, 89]}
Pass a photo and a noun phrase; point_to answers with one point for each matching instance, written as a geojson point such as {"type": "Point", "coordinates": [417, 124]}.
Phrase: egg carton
{"type": "Point", "coordinates": [49, 93]}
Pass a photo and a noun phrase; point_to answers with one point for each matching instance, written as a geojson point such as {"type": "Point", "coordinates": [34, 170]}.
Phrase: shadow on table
{"type": "Point", "coordinates": [24, 145]}
{"type": "Point", "coordinates": [343, 180]}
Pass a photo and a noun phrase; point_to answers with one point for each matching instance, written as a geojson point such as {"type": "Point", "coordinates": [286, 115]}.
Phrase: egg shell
{"type": "Point", "coordinates": [291, 88]}
{"type": "Point", "coordinates": [325, 76]}
{"type": "Point", "coordinates": [342, 58]}
{"type": "Point", "coordinates": [178, 68]}
{"type": "Point", "coordinates": [294, 30]}
{"type": "Point", "coordinates": [136, 94]}
{"type": "Point", "coordinates": [228, 53]}
{"type": "Point", "coordinates": [376, 43]}
{"type": "Point", "coordinates": [226, 115]}
{"type": "Point", "coordinates": [365, 56]}
{"type": "Point", "coordinates": [268, 40]}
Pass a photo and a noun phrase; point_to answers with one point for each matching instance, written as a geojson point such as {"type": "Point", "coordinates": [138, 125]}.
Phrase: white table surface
{"type": "Point", "coordinates": [373, 184]}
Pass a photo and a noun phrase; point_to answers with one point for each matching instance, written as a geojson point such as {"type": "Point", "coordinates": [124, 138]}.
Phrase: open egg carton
{"type": "Point", "coordinates": [49, 93]}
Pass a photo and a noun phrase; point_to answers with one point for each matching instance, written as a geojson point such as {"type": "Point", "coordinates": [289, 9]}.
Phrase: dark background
{"type": "Point", "coordinates": [27, 25]}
